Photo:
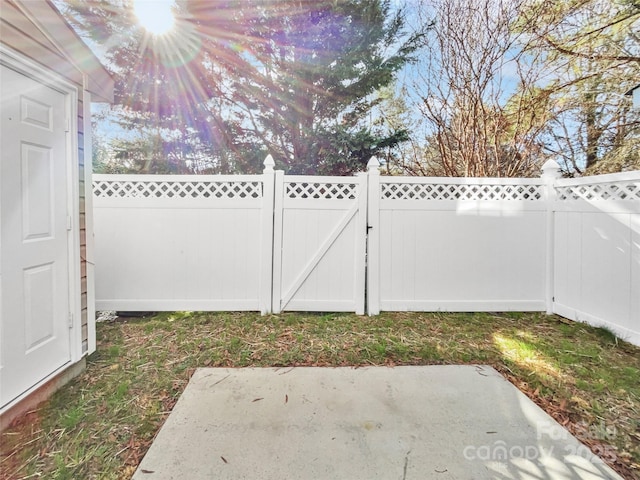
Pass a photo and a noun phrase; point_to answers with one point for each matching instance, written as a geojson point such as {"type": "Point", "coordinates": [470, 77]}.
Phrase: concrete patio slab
{"type": "Point", "coordinates": [434, 422]}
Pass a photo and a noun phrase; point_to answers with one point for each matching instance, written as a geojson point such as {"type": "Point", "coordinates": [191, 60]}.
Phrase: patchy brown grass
{"type": "Point", "coordinates": [102, 423]}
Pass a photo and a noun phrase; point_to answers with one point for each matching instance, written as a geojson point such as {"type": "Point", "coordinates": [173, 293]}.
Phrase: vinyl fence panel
{"type": "Point", "coordinates": [457, 244]}
{"type": "Point", "coordinates": [183, 242]}
{"type": "Point", "coordinates": [597, 252]}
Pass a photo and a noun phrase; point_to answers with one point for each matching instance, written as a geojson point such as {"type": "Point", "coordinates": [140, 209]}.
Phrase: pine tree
{"type": "Point", "coordinates": [294, 78]}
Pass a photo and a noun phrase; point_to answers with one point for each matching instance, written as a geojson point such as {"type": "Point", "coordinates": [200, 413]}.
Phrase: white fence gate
{"type": "Point", "coordinates": [319, 243]}
{"type": "Point", "coordinates": [272, 242]}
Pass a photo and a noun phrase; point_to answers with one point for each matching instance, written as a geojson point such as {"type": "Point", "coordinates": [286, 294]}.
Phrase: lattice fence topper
{"type": "Point", "coordinates": [444, 191]}
{"type": "Point", "coordinates": [325, 190]}
{"type": "Point", "coordinates": [629, 190]}
{"type": "Point", "coordinates": [164, 189]}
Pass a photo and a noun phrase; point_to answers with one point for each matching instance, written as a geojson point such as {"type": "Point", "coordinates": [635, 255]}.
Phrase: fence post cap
{"type": "Point", "coordinates": [551, 169]}
{"type": "Point", "coordinates": [373, 165]}
{"type": "Point", "coordinates": [269, 163]}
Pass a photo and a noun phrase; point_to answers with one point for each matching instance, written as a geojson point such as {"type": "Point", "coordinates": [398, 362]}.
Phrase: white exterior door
{"type": "Point", "coordinates": [34, 253]}
{"type": "Point", "coordinates": [319, 243]}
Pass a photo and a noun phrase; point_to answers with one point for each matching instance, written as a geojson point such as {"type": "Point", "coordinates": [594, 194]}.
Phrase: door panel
{"type": "Point", "coordinates": [38, 304]}
{"type": "Point", "coordinates": [34, 256]}
{"type": "Point", "coordinates": [37, 190]}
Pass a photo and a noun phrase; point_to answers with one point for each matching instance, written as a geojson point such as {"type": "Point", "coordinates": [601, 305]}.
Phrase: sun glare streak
{"type": "Point", "coordinates": [156, 16]}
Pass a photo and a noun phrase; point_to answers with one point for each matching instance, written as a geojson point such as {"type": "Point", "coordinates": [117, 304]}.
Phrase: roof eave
{"type": "Point", "coordinates": [98, 80]}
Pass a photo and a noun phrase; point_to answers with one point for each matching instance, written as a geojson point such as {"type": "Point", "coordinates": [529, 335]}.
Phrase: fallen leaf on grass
{"type": "Point", "coordinates": [563, 404]}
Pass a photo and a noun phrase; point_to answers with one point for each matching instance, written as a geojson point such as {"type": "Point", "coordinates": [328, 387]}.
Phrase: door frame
{"type": "Point", "coordinates": [25, 66]}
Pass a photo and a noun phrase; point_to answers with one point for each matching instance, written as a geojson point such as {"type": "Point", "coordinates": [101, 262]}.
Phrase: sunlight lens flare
{"type": "Point", "coordinates": [156, 16]}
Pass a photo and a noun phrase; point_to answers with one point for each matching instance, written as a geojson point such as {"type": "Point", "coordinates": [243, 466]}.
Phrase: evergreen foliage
{"type": "Point", "coordinates": [238, 79]}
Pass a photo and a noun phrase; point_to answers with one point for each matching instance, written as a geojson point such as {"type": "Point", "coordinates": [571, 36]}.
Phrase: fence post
{"type": "Point", "coordinates": [266, 255]}
{"type": "Point", "coordinates": [550, 172]}
{"type": "Point", "coordinates": [373, 237]}
{"type": "Point", "coordinates": [278, 206]}
{"type": "Point", "coordinates": [360, 296]}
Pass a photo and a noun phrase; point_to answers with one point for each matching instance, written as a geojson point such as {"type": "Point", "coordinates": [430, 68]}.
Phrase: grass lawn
{"type": "Point", "coordinates": [101, 424]}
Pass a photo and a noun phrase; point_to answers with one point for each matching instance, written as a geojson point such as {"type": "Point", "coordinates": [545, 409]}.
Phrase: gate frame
{"type": "Point", "coordinates": [357, 210]}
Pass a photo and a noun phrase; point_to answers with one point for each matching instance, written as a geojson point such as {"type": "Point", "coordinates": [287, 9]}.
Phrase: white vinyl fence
{"type": "Point", "coordinates": [457, 244]}
{"type": "Point", "coordinates": [368, 243]}
{"type": "Point", "coordinates": [597, 252]}
{"type": "Point", "coordinates": [183, 243]}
